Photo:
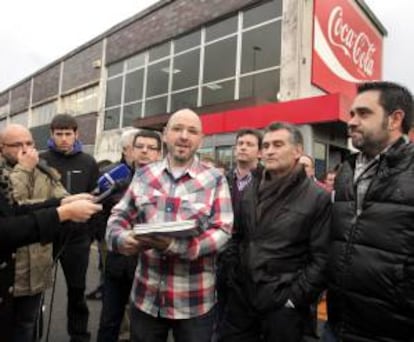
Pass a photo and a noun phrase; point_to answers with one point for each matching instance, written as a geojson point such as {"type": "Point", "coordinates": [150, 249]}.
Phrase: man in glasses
{"type": "Point", "coordinates": [29, 183]}
{"type": "Point", "coordinates": [139, 148]}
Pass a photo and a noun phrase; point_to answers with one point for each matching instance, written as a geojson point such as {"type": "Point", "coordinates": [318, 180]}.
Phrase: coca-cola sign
{"type": "Point", "coordinates": [347, 48]}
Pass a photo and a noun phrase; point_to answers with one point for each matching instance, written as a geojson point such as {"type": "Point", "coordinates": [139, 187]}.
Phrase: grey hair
{"type": "Point", "coordinates": [128, 136]}
{"type": "Point", "coordinates": [296, 137]}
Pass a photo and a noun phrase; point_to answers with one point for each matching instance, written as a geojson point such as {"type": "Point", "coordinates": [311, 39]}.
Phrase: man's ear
{"type": "Point", "coordinates": [395, 120]}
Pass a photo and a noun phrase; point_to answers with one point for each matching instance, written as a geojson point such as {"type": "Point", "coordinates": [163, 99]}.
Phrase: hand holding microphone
{"type": "Point", "coordinates": [79, 210]}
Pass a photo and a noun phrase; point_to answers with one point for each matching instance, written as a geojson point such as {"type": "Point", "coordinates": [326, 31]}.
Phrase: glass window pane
{"type": "Point", "coordinates": [133, 85]}
{"type": "Point", "coordinates": [111, 119]}
{"type": "Point", "coordinates": [265, 85]}
{"type": "Point", "coordinates": [261, 48]}
{"type": "Point", "coordinates": [188, 41]}
{"type": "Point", "coordinates": [225, 156]}
{"type": "Point", "coordinates": [215, 66]}
{"type": "Point", "coordinates": [159, 51]}
{"type": "Point", "coordinates": [185, 99]}
{"type": "Point", "coordinates": [156, 106]}
{"type": "Point", "coordinates": [21, 119]}
{"type": "Point", "coordinates": [115, 69]}
{"type": "Point", "coordinates": [131, 113]}
{"type": "Point", "coordinates": [259, 14]}
{"type": "Point", "coordinates": [135, 61]}
{"type": "Point", "coordinates": [157, 79]}
{"type": "Point", "coordinates": [186, 70]}
{"type": "Point", "coordinates": [113, 92]}
{"type": "Point", "coordinates": [218, 92]}
{"type": "Point", "coordinates": [221, 29]}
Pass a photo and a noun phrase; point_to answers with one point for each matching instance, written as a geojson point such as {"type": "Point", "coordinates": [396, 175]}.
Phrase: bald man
{"type": "Point", "coordinates": [174, 285]}
{"type": "Point", "coordinates": [29, 183]}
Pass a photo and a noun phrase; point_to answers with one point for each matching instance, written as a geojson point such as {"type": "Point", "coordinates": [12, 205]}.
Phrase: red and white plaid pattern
{"type": "Point", "coordinates": [178, 283]}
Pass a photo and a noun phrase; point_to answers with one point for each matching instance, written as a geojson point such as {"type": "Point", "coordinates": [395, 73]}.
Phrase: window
{"type": "Point", "coordinates": [184, 99]}
{"type": "Point", "coordinates": [156, 106]}
{"type": "Point", "coordinates": [220, 60]}
{"type": "Point", "coordinates": [264, 85]}
{"type": "Point", "coordinates": [261, 47]}
{"type": "Point", "coordinates": [157, 79]}
{"type": "Point", "coordinates": [262, 13]}
{"type": "Point", "coordinates": [43, 114]}
{"type": "Point", "coordinates": [113, 92]}
{"type": "Point", "coordinates": [81, 102]}
{"type": "Point", "coordinates": [218, 92]}
{"type": "Point", "coordinates": [159, 52]}
{"type": "Point", "coordinates": [187, 42]}
{"type": "Point", "coordinates": [115, 69]}
{"type": "Point", "coordinates": [186, 70]}
{"type": "Point", "coordinates": [134, 83]}
{"type": "Point", "coordinates": [21, 119]}
{"type": "Point", "coordinates": [112, 118]}
{"type": "Point", "coordinates": [221, 29]}
{"type": "Point", "coordinates": [135, 61]}
{"type": "Point", "coordinates": [131, 113]}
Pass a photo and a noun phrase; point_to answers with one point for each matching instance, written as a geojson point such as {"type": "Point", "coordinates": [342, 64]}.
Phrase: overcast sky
{"type": "Point", "coordinates": [35, 33]}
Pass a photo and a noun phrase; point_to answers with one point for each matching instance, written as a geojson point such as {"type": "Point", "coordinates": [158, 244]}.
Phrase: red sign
{"type": "Point", "coordinates": [347, 48]}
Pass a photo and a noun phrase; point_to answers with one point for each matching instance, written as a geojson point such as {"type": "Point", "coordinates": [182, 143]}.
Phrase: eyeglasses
{"type": "Point", "coordinates": [148, 147]}
{"type": "Point", "coordinates": [20, 144]}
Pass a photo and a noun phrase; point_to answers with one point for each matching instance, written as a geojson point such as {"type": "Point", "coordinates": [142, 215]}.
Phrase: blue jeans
{"type": "Point", "coordinates": [146, 328]}
{"type": "Point", "coordinates": [328, 335]}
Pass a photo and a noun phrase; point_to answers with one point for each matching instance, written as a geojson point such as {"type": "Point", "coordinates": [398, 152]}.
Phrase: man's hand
{"type": "Point", "coordinates": [72, 198]}
{"type": "Point", "coordinates": [156, 241]}
{"type": "Point", "coordinates": [28, 159]}
{"type": "Point", "coordinates": [78, 211]}
{"type": "Point", "coordinates": [131, 246]}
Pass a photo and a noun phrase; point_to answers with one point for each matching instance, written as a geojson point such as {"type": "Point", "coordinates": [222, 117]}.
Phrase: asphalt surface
{"type": "Point", "coordinates": [57, 330]}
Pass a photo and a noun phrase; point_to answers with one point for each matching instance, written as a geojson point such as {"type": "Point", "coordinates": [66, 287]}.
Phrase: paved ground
{"type": "Point", "coordinates": [58, 322]}
{"type": "Point", "coordinates": [57, 331]}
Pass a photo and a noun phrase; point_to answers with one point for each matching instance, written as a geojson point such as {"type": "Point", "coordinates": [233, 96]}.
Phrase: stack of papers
{"type": "Point", "coordinates": [178, 229]}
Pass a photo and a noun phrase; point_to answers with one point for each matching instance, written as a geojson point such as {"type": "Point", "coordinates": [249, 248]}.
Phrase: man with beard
{"type": "Point", "coordinates": [283, 225]}
{"type": "Point", "coordinates": [174, 285]}
{"type": "Point", "coordinates": [371, 264]}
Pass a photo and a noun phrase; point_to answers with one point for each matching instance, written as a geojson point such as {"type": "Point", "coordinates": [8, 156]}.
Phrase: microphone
{"type": "Point", "coordinates": [113, 181]}
{"type": "Point", "coordinates": [119, 173]}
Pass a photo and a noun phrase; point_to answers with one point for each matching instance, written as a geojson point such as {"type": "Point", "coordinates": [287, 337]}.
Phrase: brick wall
{"type": "Point", "coordinates": [20, 98]}
{"type": "Point", "coordinates": [79, 69]}
{"type": "Point", "coordinates": [46, 84]}
{"type": "Point", "coordinates": [171, 20]}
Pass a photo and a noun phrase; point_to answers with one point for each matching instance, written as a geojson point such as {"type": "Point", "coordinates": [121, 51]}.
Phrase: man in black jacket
{"type": "Point", "coordinates": [24, 225]}
{"type": "Point", "coordinates": [79, 173]}
{"type": "Point", "coordinates": [283, 236]}
{"type": "Point", "coordinates": [371, 265]}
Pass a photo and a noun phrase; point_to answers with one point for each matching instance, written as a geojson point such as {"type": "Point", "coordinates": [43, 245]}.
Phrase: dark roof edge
{"type": "Point", "coordinates": [374, 19]}
{"type": "Point", "coordinates": [91, 42]}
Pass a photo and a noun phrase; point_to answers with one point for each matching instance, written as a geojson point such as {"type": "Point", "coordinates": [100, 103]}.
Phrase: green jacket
{"type": "Point", "coordinates": [34, 262]}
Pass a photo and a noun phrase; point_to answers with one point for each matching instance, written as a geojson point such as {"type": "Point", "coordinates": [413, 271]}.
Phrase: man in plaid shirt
{"type": "Point", "coordinates": [174, 286]}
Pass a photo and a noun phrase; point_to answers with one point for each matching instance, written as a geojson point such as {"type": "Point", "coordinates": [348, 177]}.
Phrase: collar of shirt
{"type": "Point", "coordinates": [192, 170]}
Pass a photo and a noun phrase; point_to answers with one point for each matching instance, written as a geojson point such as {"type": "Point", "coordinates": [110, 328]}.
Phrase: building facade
{"type": "Point", "coordinates": [239, 63]}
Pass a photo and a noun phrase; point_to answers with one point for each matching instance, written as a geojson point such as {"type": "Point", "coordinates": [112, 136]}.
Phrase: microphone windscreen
{"type": "Point", "coordinates": [119, 174]}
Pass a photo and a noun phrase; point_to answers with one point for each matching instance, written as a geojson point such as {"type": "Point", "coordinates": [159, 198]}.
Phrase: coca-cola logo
{"type": "Point", "coordinates": [356, 45]}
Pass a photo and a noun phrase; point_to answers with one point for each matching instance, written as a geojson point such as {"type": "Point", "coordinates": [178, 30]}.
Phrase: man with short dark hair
{"type": "Point", "coordinates": [283, 227]}
{"type": "Point", "coordinates": [371, 262]}
{"type": "Point", "coordinates": [79, 173]}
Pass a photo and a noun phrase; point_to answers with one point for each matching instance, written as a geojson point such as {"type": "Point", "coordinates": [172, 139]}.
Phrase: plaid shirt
{"type": "Point", "coordinates": [179, 282]}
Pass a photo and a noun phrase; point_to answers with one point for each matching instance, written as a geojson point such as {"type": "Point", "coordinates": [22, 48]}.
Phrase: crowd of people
{"type": "Point", "coordinates": [267, 240]}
